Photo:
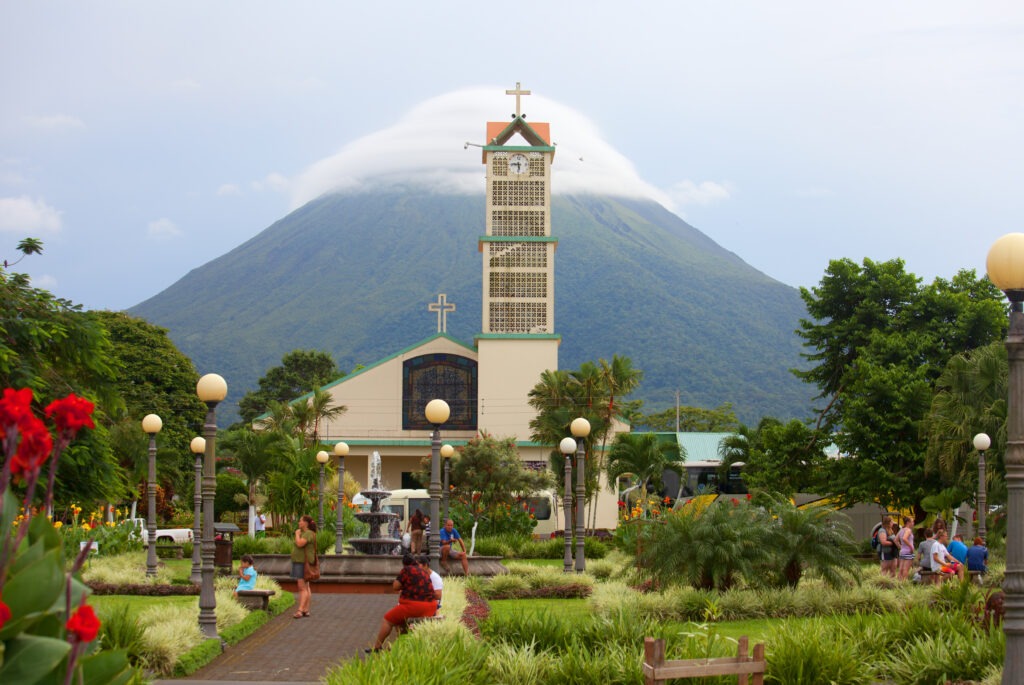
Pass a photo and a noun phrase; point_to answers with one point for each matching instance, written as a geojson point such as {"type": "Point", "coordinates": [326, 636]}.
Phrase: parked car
{"type": "Point", "coordinates": [174, 536]}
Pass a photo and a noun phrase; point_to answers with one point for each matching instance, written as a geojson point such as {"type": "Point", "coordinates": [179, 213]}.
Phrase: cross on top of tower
{"type": "Point", "coordinates": [517, 92]}
{"type": "Point", "coordinates": [442, 307]}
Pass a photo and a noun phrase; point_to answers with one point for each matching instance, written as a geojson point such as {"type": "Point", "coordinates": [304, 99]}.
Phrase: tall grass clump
{"type": "Point", "coordinates": [120, 629]}
{"type": "Point", "coordinates": [124, 569]}
{"type": "Point", "coordinates": [808, 653]}
{"type": "Point", "coordinates": [434, 655]}
{"type": "Point", "coordinates": [170, 632]}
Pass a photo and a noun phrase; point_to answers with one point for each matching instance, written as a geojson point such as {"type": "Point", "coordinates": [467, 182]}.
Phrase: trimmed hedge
{"type": "Point", "coordinates": [143, 590]}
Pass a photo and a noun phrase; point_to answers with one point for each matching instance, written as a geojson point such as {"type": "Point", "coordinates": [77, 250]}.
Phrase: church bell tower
{"type": "Point", "coordinates": [518, 340]}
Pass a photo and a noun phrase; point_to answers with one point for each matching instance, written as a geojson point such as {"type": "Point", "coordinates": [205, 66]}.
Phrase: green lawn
{"type": "Point", "coordinates": [106, 604]}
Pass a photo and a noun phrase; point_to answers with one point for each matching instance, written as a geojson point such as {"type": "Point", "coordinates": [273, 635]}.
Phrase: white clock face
{"type": "Point", "coordinates": [518, 164]}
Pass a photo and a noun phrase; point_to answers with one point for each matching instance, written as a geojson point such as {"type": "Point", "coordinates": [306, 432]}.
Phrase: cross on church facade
{"type": "Point", "coordinates": [442, 307]}
{"type": "Point", "coordinates": [517, 92]}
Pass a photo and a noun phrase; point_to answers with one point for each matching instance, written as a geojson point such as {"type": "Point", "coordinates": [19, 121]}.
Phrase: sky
{"type": "Point", "coordinates": [139, 140]}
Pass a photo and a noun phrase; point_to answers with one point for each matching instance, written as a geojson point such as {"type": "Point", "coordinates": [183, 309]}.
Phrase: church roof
{"type": "Point", "coordinates": [538, 135]}
{"type": "Point", "coordinates": [380, 362]}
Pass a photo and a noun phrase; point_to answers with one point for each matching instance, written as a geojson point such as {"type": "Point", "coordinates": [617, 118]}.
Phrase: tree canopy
{"type": "Point", "coordinates": [299, 372]}
{"type": "Point", "coordinates": [878, 341]}
{"type": "Point", "coordinates": [721, 419]}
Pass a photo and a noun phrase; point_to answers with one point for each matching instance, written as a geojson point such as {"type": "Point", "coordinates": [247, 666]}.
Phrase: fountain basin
{"type": "Point", "coordinates": [362, 569]}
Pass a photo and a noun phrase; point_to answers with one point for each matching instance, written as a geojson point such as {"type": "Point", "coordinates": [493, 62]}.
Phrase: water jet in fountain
{"type": "Point", "coordinates": [375, 543]}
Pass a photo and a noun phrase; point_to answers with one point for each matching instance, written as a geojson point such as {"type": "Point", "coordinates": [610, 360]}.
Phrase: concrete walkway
{"type": "Point", "coordinates": [288, 650]}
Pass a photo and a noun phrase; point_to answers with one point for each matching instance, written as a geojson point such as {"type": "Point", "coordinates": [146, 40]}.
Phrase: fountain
{"type": "Point", "coordinates": [376, 543]}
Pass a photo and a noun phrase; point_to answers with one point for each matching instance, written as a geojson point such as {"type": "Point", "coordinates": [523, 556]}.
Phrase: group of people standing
{"type": "Point", "coordinates": [935, 553]}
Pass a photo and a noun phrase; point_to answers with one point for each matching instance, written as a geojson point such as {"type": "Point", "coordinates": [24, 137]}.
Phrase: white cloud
{"type": "Point", "coordinates": [162, 228]}
{"type": "Point", "coordinates": [25, 215]}
{"type": "Point", "coordinates": [229, 189]}
{"type": "Point", "coordinates": [426, 147]}
{"type": "Point", "coordinates": [273, 182]}
{"type": "Point", "coordinates": [703, 193]}
{"type": "Point", "coordinates": [55, 122]}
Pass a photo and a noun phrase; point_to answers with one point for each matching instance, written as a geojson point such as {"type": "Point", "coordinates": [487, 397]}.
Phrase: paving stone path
{"type": "Point", "coordinates": [288, 650]}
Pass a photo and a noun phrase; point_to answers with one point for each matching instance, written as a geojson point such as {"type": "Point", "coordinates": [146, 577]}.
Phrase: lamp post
{"type": "Point", "coordinates": [981, 443]}
{"type": "Point", "coordinates": [580, 429]}
{"type": "Point", "coordinates": [151, 425]}
{"type": "Point", "coordinates": [437, 412]}
{"type": "Point", "coordinates": [321, 458]}
{"type": "Point", "coordinates": [211, 389]}
{"type": "Point", "coordinates": [446, 453]}
{"type": "Point", "coordinates": [567, 446]}
{"type": "Point", "coordinates": [341, 451]}
{"type": "Point", "coordinates": [1005, 265]}
{"type": "Point", "coordinates": [198, 447]}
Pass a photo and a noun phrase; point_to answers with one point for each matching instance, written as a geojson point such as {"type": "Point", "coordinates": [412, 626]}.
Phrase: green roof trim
{"type": "Point", "coordinates": [517, 336]}
{"type": "Point", "coordinates": [518, 124]}
{"type": "Point", "coordinates": [517, 239]}
{"type": "Point", "coordinates": [385, 360]}
{"type": "Point", "coordinates": [519, 148]}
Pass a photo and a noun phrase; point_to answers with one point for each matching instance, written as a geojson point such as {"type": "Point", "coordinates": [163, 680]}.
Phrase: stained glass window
{"type": "Point", "coordinates": [439, 376]}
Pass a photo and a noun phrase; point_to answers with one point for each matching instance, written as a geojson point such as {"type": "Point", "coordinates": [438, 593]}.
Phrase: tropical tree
{"type": "Point", "coordinates": [488, 477]}
{"type": "Point", "coordinates": [292, 484]}
{"type": "Point", "coordinates": [708, 549]}
{"type": "Point", "coordinates": [777, 457]}
{"type": "Point", "coordinates": [970, 398]}
{"type": "Point", "coordinates": [312, 411]}
{"type": "Point", "coordinates": [814, 538]}
{"type": "Point", "coordinates": [594, 392]}
{"type": "Point", "coordinates": [645, 458]}
{"type": "Point", "coordinates": [255, 454]}
{"type": "Point", "coordinates": [299, 372]}
{"type": "Point", "coordinates": [878, 341]}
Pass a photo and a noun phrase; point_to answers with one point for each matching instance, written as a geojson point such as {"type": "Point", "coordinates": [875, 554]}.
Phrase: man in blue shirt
{"type": "Point", "coordinates": [957, 549]}
{"type": "Point", "coordinates": [449, 536]}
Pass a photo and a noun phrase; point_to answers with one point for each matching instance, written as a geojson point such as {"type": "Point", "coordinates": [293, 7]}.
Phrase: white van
{"type": "Point", "coordinates": [406, 502]}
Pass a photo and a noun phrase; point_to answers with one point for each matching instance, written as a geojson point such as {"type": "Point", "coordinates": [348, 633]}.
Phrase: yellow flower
{"type": "Point", "coordinates": [57, 524]}
{"type": "Point", "coordinates": [110, 524]}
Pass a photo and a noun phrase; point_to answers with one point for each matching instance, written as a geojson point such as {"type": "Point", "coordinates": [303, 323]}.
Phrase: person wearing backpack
{"type": "Point", "coordinates": [887, 548]}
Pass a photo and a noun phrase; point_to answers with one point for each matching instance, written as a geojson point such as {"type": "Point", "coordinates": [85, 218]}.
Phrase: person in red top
{"type": "Point", "coordinates": [415, 528]}
{"type": "Point", "coordinates": [415, 599]}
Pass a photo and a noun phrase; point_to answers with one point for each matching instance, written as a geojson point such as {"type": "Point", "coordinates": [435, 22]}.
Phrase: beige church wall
{"type": "Point", "coordinates": [508, 369]}
{"type": "Point", "coordinates": [374, 397]}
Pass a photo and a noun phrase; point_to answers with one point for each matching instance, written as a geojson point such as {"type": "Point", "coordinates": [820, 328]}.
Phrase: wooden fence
{"type": "Point", "coordinates": [657, 670]}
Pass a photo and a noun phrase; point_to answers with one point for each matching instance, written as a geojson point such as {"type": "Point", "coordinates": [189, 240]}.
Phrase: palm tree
{"type": "Point", "coordinates": [970, 398]}
{"type": "Point", "coordinates": [279, 418]}
{"type": "Point", "coordinates": [815, 538]}
{"type": "Point", "coordinates": [321, 409]}
{"type": "Point", "coordinates": [642, 456]}
{"type": "Point", "coordinates": [256, 453]}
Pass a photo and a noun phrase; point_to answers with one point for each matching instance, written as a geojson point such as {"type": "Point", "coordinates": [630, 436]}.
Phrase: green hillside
{"type": "Point", "coordinates": [353, 274]}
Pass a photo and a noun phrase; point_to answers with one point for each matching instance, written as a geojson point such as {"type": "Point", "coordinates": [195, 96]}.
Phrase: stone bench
{"type": "Point", "coordinates": [931, 577]}
{"type": "Point", "coordinates": [255, 599]}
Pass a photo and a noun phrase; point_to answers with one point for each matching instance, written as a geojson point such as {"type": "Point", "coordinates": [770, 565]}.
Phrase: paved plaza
{"type": "Point", "coordinates": [288, 650]}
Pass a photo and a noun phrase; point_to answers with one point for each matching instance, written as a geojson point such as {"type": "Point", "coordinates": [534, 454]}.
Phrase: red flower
{"type": "Point", "coordinates": [15, 407]}
{"type": "Point", "coordinates": [34, 447]}
{"type": "Point", "coordinates": [5, 613]}
{"type": "Point", "coordinates": [84, 624]}
{"type": "Point", "coordinates": [71, 413]}
{"type": "Point", "coordinates": [749, 496]}
{"type": "Point", "coordinates": [735, 502]}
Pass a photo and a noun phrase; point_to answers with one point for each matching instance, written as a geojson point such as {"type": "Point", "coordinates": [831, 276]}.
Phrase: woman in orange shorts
{"type": "Point", "coordinates": [415, 599]}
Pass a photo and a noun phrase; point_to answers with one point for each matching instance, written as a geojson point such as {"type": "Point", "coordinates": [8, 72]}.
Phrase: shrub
{"type": "Point", "coordinates": [170, 633]}
{"type": "Point", "coordinates": [121, 630]}
{"type": "Point", "coordinates": [806, 653]}
{"type": "Point", "coordinates": [123, 569]}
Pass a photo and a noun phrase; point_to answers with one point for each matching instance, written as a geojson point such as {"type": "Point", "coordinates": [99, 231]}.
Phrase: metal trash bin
{"type": "Point", "coordinates": [223, 546]}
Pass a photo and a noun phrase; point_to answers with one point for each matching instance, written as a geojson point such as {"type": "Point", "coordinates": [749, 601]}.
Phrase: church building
{"type": "Point", "coordinates": [486, 383]}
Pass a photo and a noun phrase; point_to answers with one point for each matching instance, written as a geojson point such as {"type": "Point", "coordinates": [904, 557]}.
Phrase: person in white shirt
{"type": "Point", "coordinates": [435, 578]}
{"type": "Point", "coordinates": [943, 562]}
